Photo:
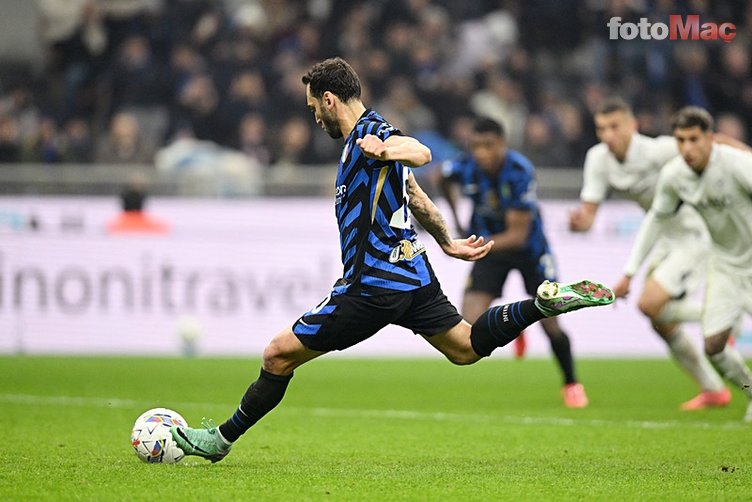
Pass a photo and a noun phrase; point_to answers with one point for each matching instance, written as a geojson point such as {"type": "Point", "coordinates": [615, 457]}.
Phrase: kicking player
{"type": "Point", "coordinates": [716, 180]}
{"type": "Point", "coordinates": [387, 277]}
{"type": "Point", "coordinates": [629, 163]}
{"type": "Point", "coordinates": [501, 184]}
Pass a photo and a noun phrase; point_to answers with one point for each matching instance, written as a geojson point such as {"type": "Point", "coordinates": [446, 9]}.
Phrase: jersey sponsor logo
{"type": "Point", "coordinates": [406, 250]}
{"type": "Point", "coordinates": [339, 193]}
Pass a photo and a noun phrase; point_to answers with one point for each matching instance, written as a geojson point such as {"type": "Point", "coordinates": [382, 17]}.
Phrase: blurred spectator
{"type": "Point", "coordinates": [198, 112]}
{"type": "Point", "coordinates": [402, 102]}
{"type": "Point", "coordinates": [45, 145]}
{"type": "Point", "coordinates": [540, 145]}
{"type": "Point", "coordinates": [501, 100]}
{"type": "Point", "coordinates": [79, 146]}
{"type": "Point", "coordinates": [731, 125]}
{"type": "Point", "coordinates": [10, 145]}
{"type": "Point", "coordinates": [253, 139]}
{"type": "Point", "coordinates": [134, 219]}
{"type": "Point", "coordinates": [198, 68]}
{"type": "Point", "coordinates": [294, 145]}
{"type": "Point", "coordinates": [124, 143]}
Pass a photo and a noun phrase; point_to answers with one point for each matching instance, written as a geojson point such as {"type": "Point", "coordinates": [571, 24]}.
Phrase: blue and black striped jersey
{"type": "Point", "coordinates": [380, 250]}
{"type": "Point", "coordinates": [492, 195]}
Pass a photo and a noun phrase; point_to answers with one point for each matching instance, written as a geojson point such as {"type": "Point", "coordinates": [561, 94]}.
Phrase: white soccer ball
{"type": "Point", "coordinates": [151, 438]}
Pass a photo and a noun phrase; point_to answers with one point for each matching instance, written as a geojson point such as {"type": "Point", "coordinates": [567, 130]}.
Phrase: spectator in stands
{"type": "Point", "coordinates": [253, 139]}
{"type": "Point", "coordinates": [45, 144]}
{"type": "Point", "coordinates": [202, 65]}
{"type": "Point", "coordinates": [10, 145]}
{"type": "Point", "coordinates": [134, 219]}
{"type": "Point", "coordinates": [78, 142]}
{"type": "Point", "coordinates": [124, 143]}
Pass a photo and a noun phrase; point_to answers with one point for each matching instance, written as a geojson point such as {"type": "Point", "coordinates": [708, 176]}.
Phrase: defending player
{"type": "Point", "coordinates": [501, 184]}
{"type": "Point", "coordinates": [716, 180]}
{"type": "Point", "coordinates": [629, 163]}
{"type": "Point", "coordinates": [387, 277]}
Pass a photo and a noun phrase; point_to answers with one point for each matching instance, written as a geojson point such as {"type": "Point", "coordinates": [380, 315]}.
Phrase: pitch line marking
{"type": "Point", "coordinates": [104, 402]}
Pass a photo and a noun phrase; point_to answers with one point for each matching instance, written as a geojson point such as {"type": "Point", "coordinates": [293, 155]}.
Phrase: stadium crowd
{"type": "Point", "coordinates": [124, 78]}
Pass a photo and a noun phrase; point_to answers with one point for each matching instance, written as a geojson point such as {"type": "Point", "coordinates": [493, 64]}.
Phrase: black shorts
{"type": "Point", "coordinates": [490, 274]}
{"type": "Point", "coordinates": [344, 320]}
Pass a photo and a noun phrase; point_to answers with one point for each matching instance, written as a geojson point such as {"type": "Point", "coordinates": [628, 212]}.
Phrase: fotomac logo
{"type": "Point", "coordinates": [678, 28]}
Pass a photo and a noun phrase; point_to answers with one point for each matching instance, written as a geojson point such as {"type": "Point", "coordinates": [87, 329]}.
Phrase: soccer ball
{"type": "Point", "coordinates": [151, 438]}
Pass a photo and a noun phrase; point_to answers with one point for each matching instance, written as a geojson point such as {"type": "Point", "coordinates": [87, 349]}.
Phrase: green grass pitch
{"type": "Point", "coordinates": [348, 429]}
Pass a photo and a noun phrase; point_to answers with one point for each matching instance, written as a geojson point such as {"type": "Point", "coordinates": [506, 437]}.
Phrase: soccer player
{"type": "Point", "coordinates": [387, 277]}
{"type": "Point", "coordinates": [629, 163]}
{"type": "Point", "coordinates": [716, 180]}
{"type": "Point", "coordinates": [501, 184]}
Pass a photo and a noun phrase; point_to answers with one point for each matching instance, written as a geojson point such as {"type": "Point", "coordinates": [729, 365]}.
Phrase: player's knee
{"type": "Point", "coordinates": [276, 359]}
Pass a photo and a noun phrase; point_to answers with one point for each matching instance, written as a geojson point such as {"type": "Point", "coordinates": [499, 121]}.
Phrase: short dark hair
{"type": "Point", "coordinates": [613, 104]}
{"type": "Point", "coordinates": [336, 76]}
{"type": "Point", "coordinates": [691, 116]}
{"type": "Point", "coordinates": [485, 124]}
{"type": "Point", "coordinates": [132, 199]}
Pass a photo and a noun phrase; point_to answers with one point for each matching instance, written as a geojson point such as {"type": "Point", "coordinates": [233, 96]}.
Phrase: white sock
{"type": "Point", "coordinates": [219, 434]}
{"type": "Point", "coordinates": [694, 362]}
{"type": "Point", "coordinates": [731, 365]}
{"type": "Point", "coordinates": [680, 311]}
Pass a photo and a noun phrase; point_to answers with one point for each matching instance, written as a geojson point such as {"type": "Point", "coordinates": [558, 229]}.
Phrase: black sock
{"type": "Point", "coordinates": [500, 325]}
{"type": "Point", "coordinates": [563, 353]}
{"type": "Point", "coordinates": [260, 398]}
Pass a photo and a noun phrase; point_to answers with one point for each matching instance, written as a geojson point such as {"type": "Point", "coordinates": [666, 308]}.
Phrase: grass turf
{"type": "Point", "coordinates": [373, 430]}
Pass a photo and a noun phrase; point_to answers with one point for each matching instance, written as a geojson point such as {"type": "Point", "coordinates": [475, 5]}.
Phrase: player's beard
{"type": "Point", "coordinates": [331, 126]}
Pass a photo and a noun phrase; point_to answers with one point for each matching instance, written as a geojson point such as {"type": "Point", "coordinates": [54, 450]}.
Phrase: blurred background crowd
{"type": "Point", "coordinates": [121, 80]}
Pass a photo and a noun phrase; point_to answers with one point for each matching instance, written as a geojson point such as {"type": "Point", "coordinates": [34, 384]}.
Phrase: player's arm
{"type": "Point", "coordinates": [595, 188]}
{"type": "Point", "coordinates": [665, 204]}
{"type": "Point", "coordinates": [582, 218]}
{"type": "Point", "coordinates": [404, 149]}
{"type": "Point", "coordinates": [650, 230]}
{"type": "Point", "coordinates": [428, 215]}
{"type": "Point", "coordinates": [516, 233]}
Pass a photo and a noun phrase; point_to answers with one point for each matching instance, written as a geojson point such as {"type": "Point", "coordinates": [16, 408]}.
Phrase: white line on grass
{"type": "Point", "coordinates": [106, 402]}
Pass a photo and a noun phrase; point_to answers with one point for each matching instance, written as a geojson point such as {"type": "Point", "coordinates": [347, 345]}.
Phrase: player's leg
{"type": "Point", "coordinates": [533, 273]}
{"type": "Point", "coordinates": [725, 299]}
{"type": "Point", "coordinates": [283, 354]}
{"type": "Point", "coordinates": [338, 322]}
{"type": "Point", "coordinates": [484, 284]}
{"type": "Point", "coordinates": [674, 277]}
{"type": "Point", "coordinates": [463, 343]}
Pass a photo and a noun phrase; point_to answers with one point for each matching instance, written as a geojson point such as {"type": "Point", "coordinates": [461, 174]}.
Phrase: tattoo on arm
{"type": "Point", "coordinates": [426, 212]}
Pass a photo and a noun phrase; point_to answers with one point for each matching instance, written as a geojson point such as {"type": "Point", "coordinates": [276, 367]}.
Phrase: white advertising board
{"type": "Point", "coordinates": [231, 274]}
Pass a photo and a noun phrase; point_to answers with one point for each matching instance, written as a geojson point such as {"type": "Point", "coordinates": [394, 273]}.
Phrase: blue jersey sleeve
{"type": "Point", "coordinates": [523, 188]}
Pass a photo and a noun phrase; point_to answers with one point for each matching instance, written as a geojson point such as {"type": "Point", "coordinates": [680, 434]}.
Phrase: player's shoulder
{"type": "Point", "coordinates": [732, 155]}
{"type": "Point", "coordinates": [674, 166]}
{"type": "Point", "coordinates": [597, 152]}
{"type": "Point", "coordinates": [519, 162]}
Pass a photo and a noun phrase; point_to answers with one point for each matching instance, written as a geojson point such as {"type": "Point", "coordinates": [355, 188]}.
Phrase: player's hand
{"type": "Point", "coordinates": [372, 147]}
{"type": "Point", "coordinates": [621, 288]}
{"type": "Point", "coordinates": [470, 249]}
{"type": "Point", "coordinates": [577, 221]}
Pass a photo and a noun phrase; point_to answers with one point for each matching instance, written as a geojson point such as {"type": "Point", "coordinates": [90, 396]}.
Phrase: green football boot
{"type": "Point", "coordinates": [554, 298]}
{"type": "Point", "coordinates": [204, 442]}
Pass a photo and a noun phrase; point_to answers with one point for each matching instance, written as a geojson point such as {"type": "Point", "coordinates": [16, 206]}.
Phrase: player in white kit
{"type": "Point", "coordinates": [716, 180]}
{"type": "Point", "coordinates": [629, 163]}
